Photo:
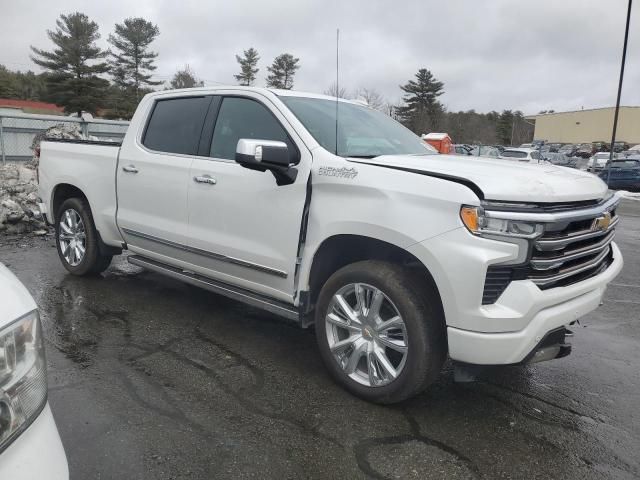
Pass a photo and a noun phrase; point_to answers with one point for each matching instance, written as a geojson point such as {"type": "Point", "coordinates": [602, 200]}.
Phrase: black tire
{"type": "Point", "coordinates": [417, 302]}
{"type": "Point", "coordinates": [93, 262]}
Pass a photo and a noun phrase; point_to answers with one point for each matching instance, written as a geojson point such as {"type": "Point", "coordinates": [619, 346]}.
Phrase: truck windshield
{"type": "Point", "coordinates": [362, 132]}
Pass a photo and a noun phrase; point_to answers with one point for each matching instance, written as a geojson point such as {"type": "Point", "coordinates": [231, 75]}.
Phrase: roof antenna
{"type": "Point", "coordinates": [337, 86]}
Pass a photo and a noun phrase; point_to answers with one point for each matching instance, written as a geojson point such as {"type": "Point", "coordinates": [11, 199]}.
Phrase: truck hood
{"type": "Point", "coordinates": [501, 179]}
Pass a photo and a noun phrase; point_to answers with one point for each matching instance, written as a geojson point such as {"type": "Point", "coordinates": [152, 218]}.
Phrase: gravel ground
{"type": "Point", "coordinates": [153, 379]}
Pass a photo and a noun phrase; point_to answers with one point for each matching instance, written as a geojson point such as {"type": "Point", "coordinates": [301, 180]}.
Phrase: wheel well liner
{"type": "Point", "coordinates": [61, 192]}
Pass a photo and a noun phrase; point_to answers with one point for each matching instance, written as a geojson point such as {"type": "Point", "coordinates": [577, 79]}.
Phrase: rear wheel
{"type": "Point", "coordinates": [77, 239]}
{"type": "Point", "coordinates": [380, 331]}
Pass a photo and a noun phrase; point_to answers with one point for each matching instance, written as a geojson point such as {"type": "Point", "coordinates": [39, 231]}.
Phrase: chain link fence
{"type": "Point", "coordinates": [17, 131]}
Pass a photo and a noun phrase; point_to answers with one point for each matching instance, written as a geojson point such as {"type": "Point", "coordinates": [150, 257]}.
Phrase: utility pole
{"type": "Point", "coordinates": [615, 115]}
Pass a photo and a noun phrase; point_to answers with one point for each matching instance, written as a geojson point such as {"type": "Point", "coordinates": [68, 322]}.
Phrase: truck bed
{"type": "Point", "coordinates": [89, 165]}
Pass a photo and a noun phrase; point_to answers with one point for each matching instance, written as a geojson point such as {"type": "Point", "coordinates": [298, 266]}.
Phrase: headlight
{"type": "Point", "coordinates": [23, 376]}
{"type": "Point", "coordinates": [479, 223]}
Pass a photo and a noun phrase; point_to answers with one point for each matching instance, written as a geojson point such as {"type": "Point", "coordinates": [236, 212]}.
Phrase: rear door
{"type": "Point", "coordinates": [244, 228]}
{"type": "Point", "coordinates": [153, 178]}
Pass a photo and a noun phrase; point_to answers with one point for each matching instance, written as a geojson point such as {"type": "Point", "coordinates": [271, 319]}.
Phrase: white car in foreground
{"type": "Point", "coordinates": [30, 446]}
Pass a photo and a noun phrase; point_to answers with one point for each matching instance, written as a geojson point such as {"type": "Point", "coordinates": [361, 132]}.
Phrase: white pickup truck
{"type": "Point", "coordinates": [398, 255]}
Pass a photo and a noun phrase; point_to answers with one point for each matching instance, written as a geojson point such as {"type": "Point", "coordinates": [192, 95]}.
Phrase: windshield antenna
{"type": "Point", "coordinates": [337, 86]}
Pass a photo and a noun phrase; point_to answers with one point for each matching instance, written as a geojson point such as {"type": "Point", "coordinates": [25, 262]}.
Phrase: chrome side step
{"type": "Point", "coordinates": [235, 293]}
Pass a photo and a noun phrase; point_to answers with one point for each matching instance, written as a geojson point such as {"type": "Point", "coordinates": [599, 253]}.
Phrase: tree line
{"type": "Point", "coordinates": [80, 76]}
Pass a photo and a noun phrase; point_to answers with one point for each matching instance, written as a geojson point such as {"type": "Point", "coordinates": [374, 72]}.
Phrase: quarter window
{"type": "Point", "coordinates": [245, 118]}
{"type": "Point", "coordinates": [176, 124]}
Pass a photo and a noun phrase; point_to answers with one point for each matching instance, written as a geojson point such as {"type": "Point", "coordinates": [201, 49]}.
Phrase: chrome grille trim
{"type": "Point", "coordinates": [563, 274]}
{"type": "Point", "coordinates": [560, 243]}
{"type": "Point", "coordinates": [558, 261]}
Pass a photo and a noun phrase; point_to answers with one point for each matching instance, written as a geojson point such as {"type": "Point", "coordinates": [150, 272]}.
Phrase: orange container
{"type": "Point", "coordinates": [440, 141]}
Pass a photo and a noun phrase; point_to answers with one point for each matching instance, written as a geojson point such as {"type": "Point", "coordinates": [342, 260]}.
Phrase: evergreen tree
{"type": "Point", "coordinates": [185, 78]}
{"type": "Point", "coordinates": [422, 111]}
{"type": "Point", "coordinates": [282, 71]}
{"type": "Point", "coordinates": [74, 64]}
{"type": "Point", "coordinates": [8, 84]}
{"type": "Point", "coordinates": [248, 67]}
{"type": "Point", "coordinates": [132, 62]}
{"type": "Point", "coordinates": [504, 127]}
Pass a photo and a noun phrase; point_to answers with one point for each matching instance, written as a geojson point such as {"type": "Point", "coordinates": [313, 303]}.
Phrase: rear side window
{"type": "Point", "coordinates": [176, 124]}
{"type": "Point", "coordinates": [244, 118]}
{"type": "Point", "coordinates": [514, 154]}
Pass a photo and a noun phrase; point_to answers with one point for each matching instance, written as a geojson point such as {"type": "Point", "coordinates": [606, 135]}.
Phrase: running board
{"type": "Point", "coordinates": [235, 293]}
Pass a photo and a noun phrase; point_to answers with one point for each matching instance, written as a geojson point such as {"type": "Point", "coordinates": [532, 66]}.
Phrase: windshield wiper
{"type": "Point", "coordinates": [362, 156]}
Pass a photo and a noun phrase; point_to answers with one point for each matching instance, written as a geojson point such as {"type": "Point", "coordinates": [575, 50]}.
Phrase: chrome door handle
{"type": "Point", "coordinates": [130, 169]}
{"type": "Point", "coordinates": [205, 179]}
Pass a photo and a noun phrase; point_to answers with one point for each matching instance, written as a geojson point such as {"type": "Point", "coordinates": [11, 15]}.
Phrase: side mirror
{"type": "Point", "coordinates": [263, 155]}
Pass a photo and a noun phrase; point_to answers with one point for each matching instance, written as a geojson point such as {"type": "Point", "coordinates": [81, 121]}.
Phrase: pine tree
{"type": "Point", "coordinates": [73, 80]}
{"type": "Point", "coordinates": [8, 84]}
{"type": "Point", "coordinates": [185, 78]}
{"type": "Point", "coordinates": [282, 71]}
{"type": "Point", "coordinates": [132, 62]}
{"type": "Point", "coordinates": [421, 110]}
{"type": "Point", "coordinates": [504, 127]}
{"type": "Point", "coordinates": [248, 67]}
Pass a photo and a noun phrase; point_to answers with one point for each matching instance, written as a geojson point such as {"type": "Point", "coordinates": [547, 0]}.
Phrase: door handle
{"type": "Point", "coordinates": [130, 169]}
{"type": "Point", "coordinates": [204, 179]}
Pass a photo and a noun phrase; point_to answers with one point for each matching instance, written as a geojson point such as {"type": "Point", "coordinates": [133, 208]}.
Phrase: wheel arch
{"type": "Point", "coordinates": [341, 250]}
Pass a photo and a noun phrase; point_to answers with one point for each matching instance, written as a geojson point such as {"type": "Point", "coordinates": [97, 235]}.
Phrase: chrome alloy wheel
{"type": "Point", "coordinates": [366, 334]}
{"type": "Point", "coordinates": [72, 237]}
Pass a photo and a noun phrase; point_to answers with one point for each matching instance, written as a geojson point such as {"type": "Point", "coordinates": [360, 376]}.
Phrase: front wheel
{"type": "Point", "coordinates": [77, 239]}
{"type": "Point", "coordinates": [380, 331]}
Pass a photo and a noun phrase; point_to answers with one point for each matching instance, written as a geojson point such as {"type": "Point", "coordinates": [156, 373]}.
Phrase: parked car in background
{"type": "Point", "coordinates": [601, 147]}
{"type": "Point", "coordinates": [620, 147]}
{"type": "Point", "coordinates": [569, 149]}
{"type": "Point", "coordinates": [634, 149]}
{"type": "Point", "coordinates": [30, 446]}
{"type": "Point", "coordinates": [485, 151]}
{"type": "Point", "coordinates": [530, 155]}
{"type": "Point", "coordinates": [561, 160]}
{"type": "Point", "coordinates": [585, 150]}
{"type": "Point", "coordinates": [554, 147]}
{"type": "Point", "coordinates": [624, 175]}
{"type": "Point", "coordinates": [599, 160]}
{"type": "Point", "coordinates": [500, 148]}
{"type": "Point", "coordinates": [462, 149]}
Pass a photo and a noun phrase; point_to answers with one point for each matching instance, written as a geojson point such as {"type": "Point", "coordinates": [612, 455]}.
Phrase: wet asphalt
{"type": "Point", "coordinates": [153, 379]}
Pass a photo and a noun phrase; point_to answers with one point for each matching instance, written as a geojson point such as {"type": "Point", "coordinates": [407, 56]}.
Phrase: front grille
{"type": "Point", "coordinates": [571, 251]}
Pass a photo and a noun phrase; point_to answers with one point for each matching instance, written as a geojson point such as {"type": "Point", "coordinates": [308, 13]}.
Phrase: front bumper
{"type": "Point", "coordinates": [36, 453]}
{"type": "Point", "coordinates": [564, 305]}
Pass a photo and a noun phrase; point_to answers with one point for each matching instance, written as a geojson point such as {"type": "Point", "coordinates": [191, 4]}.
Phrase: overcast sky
{"type": "Point", "coordinates": [490, 54]}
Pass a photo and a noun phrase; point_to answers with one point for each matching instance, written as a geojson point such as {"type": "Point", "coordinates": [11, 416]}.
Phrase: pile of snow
{"type": "Point", "coordinates": [19, 212]}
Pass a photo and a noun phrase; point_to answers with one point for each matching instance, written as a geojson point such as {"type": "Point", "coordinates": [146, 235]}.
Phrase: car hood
{"type": "Point", "coordinates": [14, 298]}
{"type": "Point", "coordinates": [501, 179]}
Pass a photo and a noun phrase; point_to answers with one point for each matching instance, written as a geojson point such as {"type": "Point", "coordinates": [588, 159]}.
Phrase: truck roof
{"type": "Point", "coordinates": [263, 91]}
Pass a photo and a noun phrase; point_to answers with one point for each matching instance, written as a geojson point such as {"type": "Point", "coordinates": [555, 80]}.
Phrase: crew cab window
{"type": "Point", "coordinates": [245, 118]}
{"type": "Point", "coordinates": [175, 125]}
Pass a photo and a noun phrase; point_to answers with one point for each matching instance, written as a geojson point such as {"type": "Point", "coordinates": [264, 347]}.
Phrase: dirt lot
{"type": "Point", "coordinates": [152, 379]}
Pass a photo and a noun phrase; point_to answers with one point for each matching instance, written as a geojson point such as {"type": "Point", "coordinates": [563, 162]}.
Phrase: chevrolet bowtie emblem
{"type": "Point", "coordinates": [602, 222]}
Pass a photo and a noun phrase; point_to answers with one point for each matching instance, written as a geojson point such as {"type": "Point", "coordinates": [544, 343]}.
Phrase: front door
{"type": "Point", "coordinates": [243, 226]}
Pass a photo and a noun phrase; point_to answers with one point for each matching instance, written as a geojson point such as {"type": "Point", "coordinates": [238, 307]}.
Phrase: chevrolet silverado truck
{"type": "Point", "coordinates": [332, 214]}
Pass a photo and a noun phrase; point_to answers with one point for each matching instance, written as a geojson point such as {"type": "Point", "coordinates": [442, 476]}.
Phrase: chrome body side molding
{"type": "Point", "coordinates": [205, 253]}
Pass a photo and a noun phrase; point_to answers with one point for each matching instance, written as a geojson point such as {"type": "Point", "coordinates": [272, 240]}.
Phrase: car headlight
{"type": "Point", "coordinates": [479, 223]}
{"type": "Point", "coordinates": [23, 376]}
